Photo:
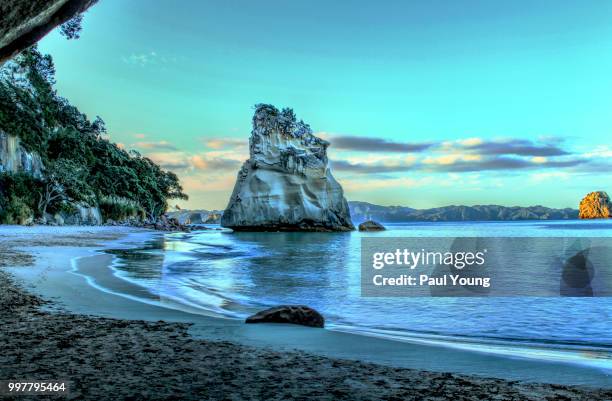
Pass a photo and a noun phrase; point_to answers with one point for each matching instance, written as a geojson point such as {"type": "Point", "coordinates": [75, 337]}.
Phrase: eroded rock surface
{"type": "Point", "coordinates": [24, 22]}
{"type": "Point", "coordinates": [14, 158]}
{"type": "Point", "coordinates": [595, 205]}
{"type": "Point", "coordinates": [286, 184]}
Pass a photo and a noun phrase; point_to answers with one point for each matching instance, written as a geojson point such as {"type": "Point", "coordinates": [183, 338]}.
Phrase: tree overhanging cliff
{"type": "Point", "coordinates": [25, 22]}
{"type": "Point", "coordinates": [80, 166]}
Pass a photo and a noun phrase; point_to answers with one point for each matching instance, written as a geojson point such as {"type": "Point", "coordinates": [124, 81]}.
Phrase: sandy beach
{"type": "Point", "coordinates": [107, 358]}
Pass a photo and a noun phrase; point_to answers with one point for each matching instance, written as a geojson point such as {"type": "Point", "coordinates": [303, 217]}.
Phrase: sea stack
{"type": "Point", "coordinates": [595, 205]}
{"type": "Point", "coordinates": [286, 184]}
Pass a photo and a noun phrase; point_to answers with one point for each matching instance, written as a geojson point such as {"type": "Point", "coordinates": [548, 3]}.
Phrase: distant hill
{"type": "Point", "coordinates": [361, 211]}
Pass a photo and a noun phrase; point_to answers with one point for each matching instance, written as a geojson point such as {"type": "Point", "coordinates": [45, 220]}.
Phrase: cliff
{"type": "Point", "coordinates": [286, 184]}
{"type": "Point", "coordinates": [23, 23]}
{"type": "Point", "coordinates": [14, 158]}
{"type": "Point", "coordinates": [596, 205]}
{"type": "Point", "coordinates": [362, 211]}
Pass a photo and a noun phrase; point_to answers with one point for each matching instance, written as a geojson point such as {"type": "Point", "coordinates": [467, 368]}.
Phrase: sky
{"type": "Point", "coordinates": [425, 103]}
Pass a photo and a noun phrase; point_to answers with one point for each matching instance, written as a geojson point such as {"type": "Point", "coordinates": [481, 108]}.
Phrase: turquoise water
{"type": "Point", "coordinates": [236, 274]}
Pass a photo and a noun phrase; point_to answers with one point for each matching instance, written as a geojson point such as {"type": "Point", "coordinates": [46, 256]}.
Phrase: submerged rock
{"type": "Point", "coordinates": [595, 205]}
{"type": "Point", "coordinates": [294, 314]}
{"type": "Point", "coordinates": [286, 185]}
{"type": "Point", "coordinates": [371, 225]}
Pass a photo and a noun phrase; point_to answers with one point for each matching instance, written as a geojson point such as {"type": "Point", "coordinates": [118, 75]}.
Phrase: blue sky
{"type": "Point", "coordinates": [425, 103]}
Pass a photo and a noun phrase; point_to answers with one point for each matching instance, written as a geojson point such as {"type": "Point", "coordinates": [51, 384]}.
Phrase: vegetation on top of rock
{"type": "Point", "coordinates": [595, 205]}
{"type": "Point", "coordinates": [81, 166]}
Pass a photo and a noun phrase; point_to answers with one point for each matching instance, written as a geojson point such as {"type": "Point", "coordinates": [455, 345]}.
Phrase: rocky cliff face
{"type": "Point", "coordinates": [286, 184]}
{"type": "Point", "coordinates": [14, 158]}
{"type": "Point", "coordinates": [595, 205]}
{"type": "Point", "coordinates": [23, 23]}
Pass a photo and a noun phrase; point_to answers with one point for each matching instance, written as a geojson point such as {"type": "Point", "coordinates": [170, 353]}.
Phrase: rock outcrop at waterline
{"type": "Point", "coordinates": [286, 184]}
{"type": "Point", "coordinates": [371, 225]}
{"type": "Point", "coordinates": [596, 205]}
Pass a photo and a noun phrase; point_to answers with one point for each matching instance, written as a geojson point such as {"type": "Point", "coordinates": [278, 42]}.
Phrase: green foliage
{"type": "Point", "coordinates": [18, 201]}
{"type": "Point", "coordinates": [16, 212]}
{"type": "Point", "coordinates": [119, 209]}
{"type": "Point", "coordinates": [81, 164]}
{"type": "Point", "coordinates": [71, 29]}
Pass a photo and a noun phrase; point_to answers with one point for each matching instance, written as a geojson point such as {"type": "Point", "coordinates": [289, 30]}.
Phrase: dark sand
{"type": "Point", "coordinates": [126, 359]}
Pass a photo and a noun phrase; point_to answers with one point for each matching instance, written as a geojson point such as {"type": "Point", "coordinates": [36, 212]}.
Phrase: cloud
{"type": "Point", "coordinates": [161, 145]}
{"type": "Point", "coordinates": [175, 160]}
{"type": "Point", "coordinates": [602, 151]}
{"type": "Point", "coordinates": [455, 164]}
{"type": "Point", "coordinates": [145, 59]}
{"type": "Point", "coordinates": [141, 59]}
{"type": "Point", "coordinates": [139, 136]}
{"type": "Point", "coordinates": [517, 147]}
{"type": "Point", "coordinates": [499, 163]}
{"type": "Point", "coordinates": [369, 168]}
{"type": "Point", "coordinates": [224, 143]}
{"type": "Point", "coordinates": [373, 144]}
{"type": "Point", "coordinates": [203, 163]}
{"type": "Point", "coordinates": [548, 146]}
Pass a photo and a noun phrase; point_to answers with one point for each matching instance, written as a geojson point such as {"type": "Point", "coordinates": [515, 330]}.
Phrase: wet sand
{"type": "Point", "coordinates": [130, 359]}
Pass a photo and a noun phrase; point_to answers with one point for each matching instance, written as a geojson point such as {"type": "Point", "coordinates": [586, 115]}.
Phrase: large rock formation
{"type": "Point", "coordinates": [15, 158]}
{"type": "Point", "coordinates": [25, 22]}
{"type": "Point", "coordinates": [595, 205]}
{"type": "Point", "coordinates": [286, 184]}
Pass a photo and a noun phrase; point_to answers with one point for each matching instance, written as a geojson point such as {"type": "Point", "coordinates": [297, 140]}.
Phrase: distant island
{"type": "Point", "coordinates": [361, 211]}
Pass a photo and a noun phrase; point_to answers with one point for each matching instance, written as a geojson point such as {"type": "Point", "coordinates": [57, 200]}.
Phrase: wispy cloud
{"type": "Point", "coordinates": [456, 165]}
{"type": "Point", "coordinates": [370, 168]}
{"type": "Point", "coordinates": [548, 146]}
{"type": "Point", "coordinates": [373, 144]}
{"type": "Point", "coordinates": [225, 143]}
{"type": "Point", "coordinates": [147, 58]}
{"type": "Point", "coordinates": [161, 145]}
{"type": "Point", "coordinates": [518, 147]}
{"type": "Point", "coordinates": [201, 162]}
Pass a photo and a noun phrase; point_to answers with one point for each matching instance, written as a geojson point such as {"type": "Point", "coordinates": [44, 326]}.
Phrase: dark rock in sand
{"type": "Point", "coordinates": [294, 314]}
{"type": "Point", "coordinates": [371, 225]}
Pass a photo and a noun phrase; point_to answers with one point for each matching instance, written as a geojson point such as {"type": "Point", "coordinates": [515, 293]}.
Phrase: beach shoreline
{"type": "Point", "coordinates": [118, 358]}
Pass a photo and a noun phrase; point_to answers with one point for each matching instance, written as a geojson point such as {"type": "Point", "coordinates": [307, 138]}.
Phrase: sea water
{"type": "Point", "coordinates": [234, 274]}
